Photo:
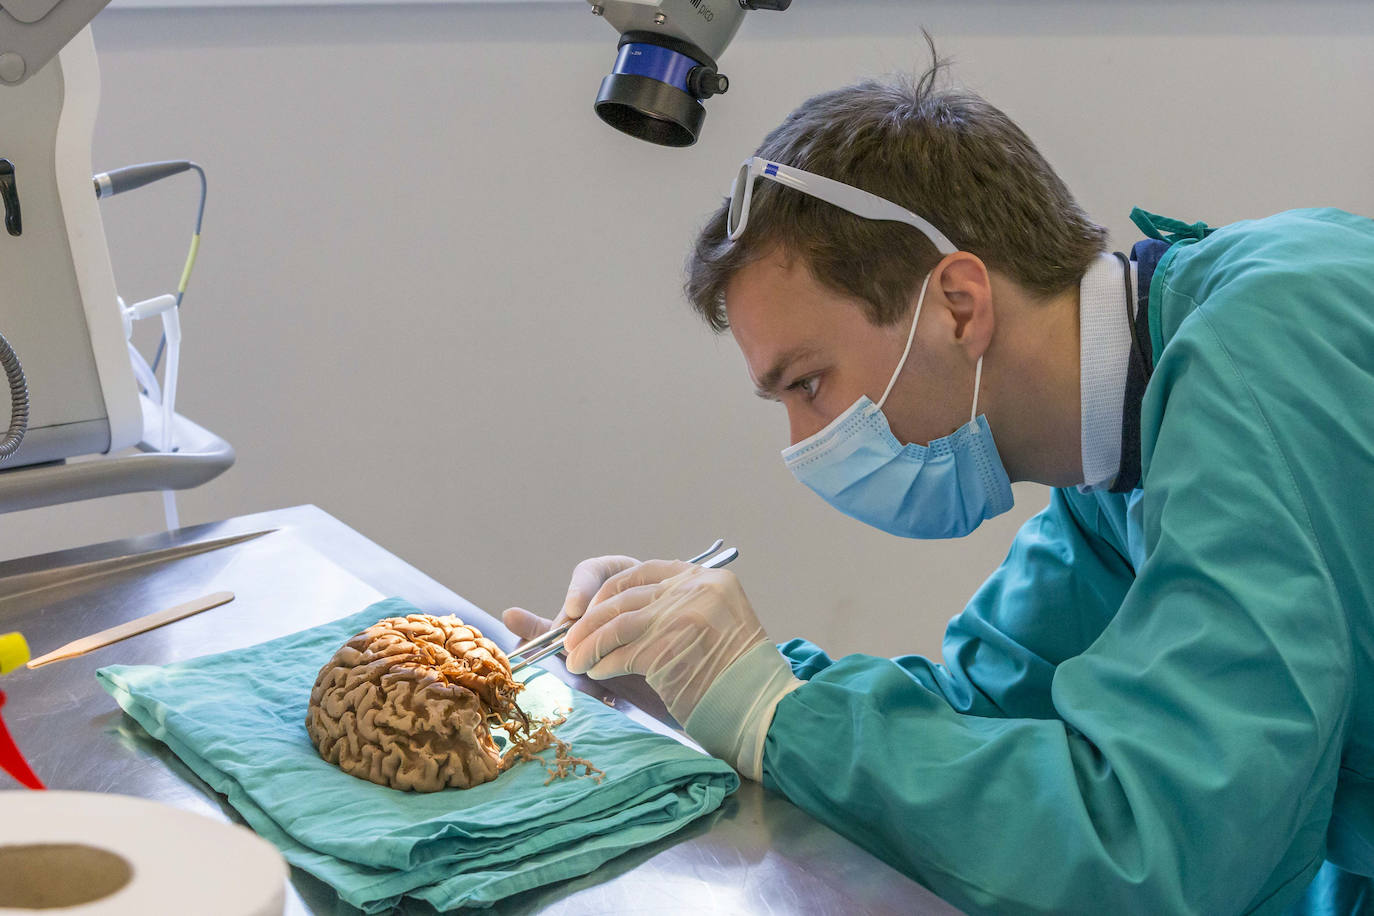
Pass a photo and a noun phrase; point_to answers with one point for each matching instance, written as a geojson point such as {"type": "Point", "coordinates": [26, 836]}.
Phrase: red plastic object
{"type": "Point", "coordinates": [13, 762]}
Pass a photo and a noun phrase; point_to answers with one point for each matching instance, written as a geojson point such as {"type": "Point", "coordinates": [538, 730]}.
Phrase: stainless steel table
{"type": "Point", "coordinates": [757, 853]}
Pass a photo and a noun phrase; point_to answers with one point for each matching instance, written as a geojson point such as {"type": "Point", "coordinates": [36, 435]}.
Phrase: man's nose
{"type": "Point", "coordinates": [800, 425]}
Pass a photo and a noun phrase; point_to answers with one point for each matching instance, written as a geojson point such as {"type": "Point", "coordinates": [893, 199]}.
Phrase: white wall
{"type": "Point", "coordinates": [438, 298]}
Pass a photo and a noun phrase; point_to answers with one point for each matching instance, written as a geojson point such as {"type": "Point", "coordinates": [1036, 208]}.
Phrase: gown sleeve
{"type": "Point", "coordinates": [1163, 740]}
{"type": "Point", "coordinates": [1049, 600]}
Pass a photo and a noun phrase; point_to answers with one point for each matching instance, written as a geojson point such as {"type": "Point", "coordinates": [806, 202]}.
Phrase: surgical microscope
{"type": "Point", "coordinates": [78, 389]}
{"type": "Point", "coordinates": [666, 65]}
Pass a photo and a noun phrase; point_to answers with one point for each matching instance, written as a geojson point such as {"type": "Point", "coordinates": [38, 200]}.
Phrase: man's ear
{"type": "Point", "coordinates": [964, 290]}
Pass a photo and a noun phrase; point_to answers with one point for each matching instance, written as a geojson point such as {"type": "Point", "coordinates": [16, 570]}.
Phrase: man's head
{"type": "Point", "coordinates": [805, 271]}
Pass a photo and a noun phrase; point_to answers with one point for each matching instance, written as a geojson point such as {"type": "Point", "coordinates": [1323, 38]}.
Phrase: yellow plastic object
{"type": "Point", "coordinates": [14, 651]}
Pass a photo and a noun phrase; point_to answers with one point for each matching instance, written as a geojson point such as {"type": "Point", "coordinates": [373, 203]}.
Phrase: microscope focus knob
{"type": "Point", "coordinates": [704, 82]}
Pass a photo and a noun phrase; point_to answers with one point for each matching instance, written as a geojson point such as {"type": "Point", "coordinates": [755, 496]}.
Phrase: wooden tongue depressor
{"type": "Point", "coordinates": [132, 628]}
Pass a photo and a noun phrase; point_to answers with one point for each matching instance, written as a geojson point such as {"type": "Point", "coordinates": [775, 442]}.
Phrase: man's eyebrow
{"type": "Point", "coordinates": [768, 382]}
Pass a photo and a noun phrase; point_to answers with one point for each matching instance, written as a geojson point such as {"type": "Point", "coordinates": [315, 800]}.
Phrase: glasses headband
{"type": "Point", "coordinates": [847, 197]}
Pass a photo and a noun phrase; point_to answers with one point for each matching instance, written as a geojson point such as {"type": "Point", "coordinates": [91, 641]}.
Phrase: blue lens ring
{"type": "Point", "coordinates": [655, 62]}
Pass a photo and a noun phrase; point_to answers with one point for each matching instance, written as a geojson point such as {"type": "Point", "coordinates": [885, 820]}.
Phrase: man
{"type": "Point", "coordinates": [1163, 701]}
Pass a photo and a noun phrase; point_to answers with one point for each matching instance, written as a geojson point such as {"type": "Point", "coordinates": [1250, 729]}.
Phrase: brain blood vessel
{"type": "Point", "coordinates": [410, 703]}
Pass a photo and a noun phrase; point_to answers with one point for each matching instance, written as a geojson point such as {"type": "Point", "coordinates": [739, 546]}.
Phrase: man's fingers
{"type": "Point", "coordinates": [604, 628]}
{"type": "Point", "coordinates": [604, 599]}
{"type": "Point", "coordinates": [617, 663]}
{"type": "Point", "coordinates": [608, 651]}
{"type": "Point", "coordinates": [650, 572]}
{"type": "Point", "coordinates": [604, 612]}
{"type": "Point", "coordinates": [524, 624]}
{"type": "Point", "coordinates": [587, 577]}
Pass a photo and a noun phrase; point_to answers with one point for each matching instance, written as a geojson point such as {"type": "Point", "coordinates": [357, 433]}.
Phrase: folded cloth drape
{"type": "Point", "coordinates": [238, 720]}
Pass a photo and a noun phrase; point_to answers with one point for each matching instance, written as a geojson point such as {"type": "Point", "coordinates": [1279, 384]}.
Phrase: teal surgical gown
{"type": "Point", "coordinates": [1163, 701]}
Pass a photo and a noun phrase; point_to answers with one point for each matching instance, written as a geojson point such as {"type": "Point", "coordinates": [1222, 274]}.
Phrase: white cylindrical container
{"type": "Point", "coordinates": [96, 854]}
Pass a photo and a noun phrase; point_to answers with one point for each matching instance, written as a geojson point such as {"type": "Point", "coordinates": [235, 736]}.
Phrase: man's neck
{"type": "Point", "coordinates": [1032, 384]}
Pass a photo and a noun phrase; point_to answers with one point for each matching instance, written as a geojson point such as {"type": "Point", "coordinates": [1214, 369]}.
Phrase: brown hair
{"type": "Point", "coordinates": [945, 154]}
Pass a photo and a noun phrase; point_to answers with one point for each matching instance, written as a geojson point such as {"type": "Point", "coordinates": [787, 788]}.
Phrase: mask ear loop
{"type": "Point", "coordinates": [911, 335]}
{"type": "Point", "coordinates": [977, 380]}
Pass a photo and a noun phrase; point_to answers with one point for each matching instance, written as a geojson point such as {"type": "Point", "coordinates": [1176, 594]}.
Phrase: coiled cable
{"type": "Point", "coordinates": [19, 400]}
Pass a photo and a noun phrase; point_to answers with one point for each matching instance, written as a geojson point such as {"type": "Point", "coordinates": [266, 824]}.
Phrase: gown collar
{"type": "Point", "coordinates": [1104, 344]}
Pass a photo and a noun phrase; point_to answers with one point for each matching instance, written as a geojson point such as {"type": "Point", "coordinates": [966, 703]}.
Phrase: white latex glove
{"type": "Point", "coordinates": [587, 578]}
{"type": "Point", "coordinates": [677, 624]}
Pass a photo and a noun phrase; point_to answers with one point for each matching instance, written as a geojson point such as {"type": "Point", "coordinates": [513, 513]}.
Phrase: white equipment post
{"type": "Point", "coordinates": [58, 303]}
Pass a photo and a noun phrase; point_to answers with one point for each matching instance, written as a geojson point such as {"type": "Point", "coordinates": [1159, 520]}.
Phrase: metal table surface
{"type": "Point", "coordinates": [757, 853]}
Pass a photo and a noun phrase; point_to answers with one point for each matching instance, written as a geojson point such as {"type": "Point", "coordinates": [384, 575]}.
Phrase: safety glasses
{"type": "Point", "coordinates": [847, 197]}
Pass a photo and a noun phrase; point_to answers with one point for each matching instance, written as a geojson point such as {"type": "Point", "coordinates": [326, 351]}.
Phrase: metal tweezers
{"type": "Point", "coordinates": [542, 647]}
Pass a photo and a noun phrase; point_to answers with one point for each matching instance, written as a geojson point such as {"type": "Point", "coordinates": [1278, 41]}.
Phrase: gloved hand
{"type": "Point", "coordinates": [587, 577]}
{"type": "Point", "coordinates": [690, 631]}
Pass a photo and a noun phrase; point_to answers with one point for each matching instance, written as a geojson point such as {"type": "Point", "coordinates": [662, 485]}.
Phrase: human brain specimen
{"type": "Point", "coordinates": [410, 702]}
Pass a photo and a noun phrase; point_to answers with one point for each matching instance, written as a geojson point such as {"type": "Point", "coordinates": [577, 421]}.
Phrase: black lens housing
{"type": "Point", "coordinates": [649, 108]}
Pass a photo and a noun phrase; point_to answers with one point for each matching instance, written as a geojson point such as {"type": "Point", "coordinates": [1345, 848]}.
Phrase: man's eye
{"type": "Point", "coordinates": [807, 386]}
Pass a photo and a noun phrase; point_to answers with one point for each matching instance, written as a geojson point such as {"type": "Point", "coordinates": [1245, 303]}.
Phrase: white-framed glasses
{"type": "Point", "coordinates": [847, 197]}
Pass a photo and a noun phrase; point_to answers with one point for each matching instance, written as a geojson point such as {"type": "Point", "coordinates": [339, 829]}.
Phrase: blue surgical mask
{"type": "Point", "coordinates": [941, 490]}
